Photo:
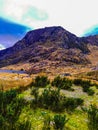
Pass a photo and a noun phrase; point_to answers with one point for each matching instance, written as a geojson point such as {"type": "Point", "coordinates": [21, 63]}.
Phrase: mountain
{"type": "Point", "coordinates": [48, 47]}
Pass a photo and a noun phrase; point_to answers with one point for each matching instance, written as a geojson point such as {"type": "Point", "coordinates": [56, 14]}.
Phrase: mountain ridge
{"type": "Point", "coordinates": [49, 44]}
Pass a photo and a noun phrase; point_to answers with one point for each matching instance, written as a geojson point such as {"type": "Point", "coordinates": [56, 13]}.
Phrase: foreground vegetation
{"type": "Point", "coordinates": [50, 105]}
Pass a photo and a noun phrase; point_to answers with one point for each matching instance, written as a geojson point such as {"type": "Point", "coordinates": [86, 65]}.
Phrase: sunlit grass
{"type": "Point", "coordinates": [9, 81]}
{"type": "Point", "coordinates": [77, 119]}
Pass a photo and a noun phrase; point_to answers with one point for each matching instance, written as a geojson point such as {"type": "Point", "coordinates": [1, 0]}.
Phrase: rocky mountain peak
{"type": "Point", "coordinates": [52, 36]}
{"type": "Point", "coordinates": [53, 44]}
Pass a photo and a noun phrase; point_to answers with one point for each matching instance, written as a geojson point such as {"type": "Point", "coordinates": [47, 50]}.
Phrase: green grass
{"type": "Point", "coordinates": [78, 118]}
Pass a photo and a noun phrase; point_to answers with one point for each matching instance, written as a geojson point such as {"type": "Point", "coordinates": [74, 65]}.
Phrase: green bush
{"type": "Point", "coordinates": [41, 81]}
{"type": "Point", "coordinates": [49, 99]}
{"type": "Point", "coordinates": [47, 122]}
{"type": "Point", "coordinates": [83, 83]}
{"type": "Point", "coordinates": [92, 113]}
{"type": "Point", "coordinates": [35, 101]}
{"type": "Point", "coordinates": [90, 92]}
{"type": "Point", "coordinates": [10, 109]}
{"type": "Point", "coordinates": [5, 99]}
{"type": "Point", "coordinates": [13, 112]}
{"type": "Point", "coordinates": [34, 92]}
{"type": "Point", "coordinates": [85, 88]}
{"type": "Point", "coordinates": [10, 95]}
{"type": "Point", "coordinates": [53, 100]}
{"type": "Point", "coordinates": [77, 82]}
{"type": "Point", "coordinates": [59, 121]}
{"type": "Point", "coordinates": [57, 82]}
{"type": "Point", "coordinates": [7, 96]}
{"type": "Point", "coordinates": [2, 121]}
{"type": "Point", "coordinates": [25, 125]}
{"type": "Point", "coordinates": [72, 103]}
{"type": "Point", "coordinates": [62, 83]}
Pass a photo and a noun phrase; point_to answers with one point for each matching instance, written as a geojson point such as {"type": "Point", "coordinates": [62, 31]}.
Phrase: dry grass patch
{"type": "Point", "coordinates": [13, 80]}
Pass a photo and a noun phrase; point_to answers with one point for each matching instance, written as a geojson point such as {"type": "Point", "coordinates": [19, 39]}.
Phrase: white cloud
{"type": "Point", "coordinates": [2, 47]}
{"type": "Point", "coordinates": [74, 15]}
{"type": "Point", "coordinates": [21, 11]}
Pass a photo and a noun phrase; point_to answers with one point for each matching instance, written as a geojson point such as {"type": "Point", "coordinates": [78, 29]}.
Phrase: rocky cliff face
{"type": "Point", "coordinates": [52, 36]}
{"type": "Point", "coordinates": [50, 45]}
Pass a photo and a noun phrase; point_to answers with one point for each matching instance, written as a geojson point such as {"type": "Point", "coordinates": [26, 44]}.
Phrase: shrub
{"type": "Point", "coordinates": [71, 103]}
{"type": "Point", "coordinates": [14, 109]}
{"type": "Point", "coordinates": [59, 121]}
{"type": "Point", "coordinates": [82, 82]}
{"type": "Point", "coordinates": [5, 99]}
{"type": "Point", "coordinates": [47, 122]}
{"type": "Point", "coordinates": [50, 99]}
{"type": "Point", "coordinates": [63, 83]}
{"type": "Point", "coordinates": [10, 109]}
{"type": "Point", "coordinates": [90, 92]}
{"type": "Point", "coordinates": [41, 81]}
{"type": "Point", "coordinates": [53, 100]}
{"type": "Point", "coordinates": [10, 95]}
{"type": "Point", "coordinates": [34, 92]}
{"type": "Point", "coordinates": [92, 117]}
{"type": "Point", "coordinates": [25, 125]}
{"type": "Point", "coordinates": [66, 84]}
{"type": "Point", "coordinates": [85, 88]}
{"type": "Point", "coordinates": [77, 82]}
{"type": "Point", "coordinates": [57, 82]}
{"type": "Point", "coordinates": [85, 84]}
{"type": "Point", "coordinates": [2, 121]}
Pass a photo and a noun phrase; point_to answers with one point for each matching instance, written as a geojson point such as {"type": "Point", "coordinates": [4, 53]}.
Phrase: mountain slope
{"type": "Point", "coordinates": [52, 43]}
{"type": "Point", "coordinates": [50, 46]}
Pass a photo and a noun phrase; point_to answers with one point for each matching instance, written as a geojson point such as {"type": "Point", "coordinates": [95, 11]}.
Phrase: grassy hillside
{"type": "Point", "coordinates": [61, 104]}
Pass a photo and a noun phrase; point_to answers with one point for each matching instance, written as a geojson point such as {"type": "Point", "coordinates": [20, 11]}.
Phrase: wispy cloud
{"type": "Point", "coordinates": [22, 12]}
{"type": "Point", "coordinates": [74, 15]}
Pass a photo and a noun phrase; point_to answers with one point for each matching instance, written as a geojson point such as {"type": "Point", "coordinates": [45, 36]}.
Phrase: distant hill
{"type": "Point", "coordinates": [50, 46]}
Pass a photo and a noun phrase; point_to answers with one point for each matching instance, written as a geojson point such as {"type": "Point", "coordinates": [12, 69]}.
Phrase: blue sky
{"type": "Point", "coordinates": [10, 32]}
{"type": "Point", "coordinates": [77, 16]}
